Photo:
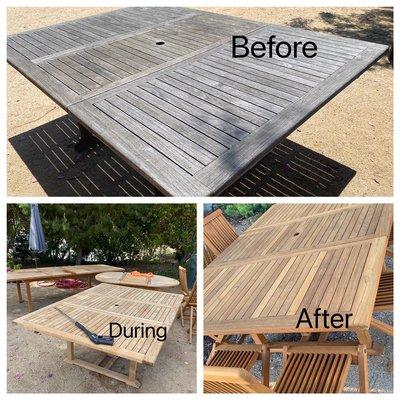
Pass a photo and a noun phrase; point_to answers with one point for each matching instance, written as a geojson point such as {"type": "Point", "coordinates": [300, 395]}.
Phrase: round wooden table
{"type": "Point", "coordinates": [125, 279]}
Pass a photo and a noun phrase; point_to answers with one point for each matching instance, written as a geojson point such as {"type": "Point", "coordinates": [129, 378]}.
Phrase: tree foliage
{"type": "Point", "coordinates": [239, 211]}
{"type": "Point", "coordinates": [104, 232]}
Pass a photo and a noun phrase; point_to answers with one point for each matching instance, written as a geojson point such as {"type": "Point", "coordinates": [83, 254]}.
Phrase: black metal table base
{"type": "Point", "coordinates": [87, 140]}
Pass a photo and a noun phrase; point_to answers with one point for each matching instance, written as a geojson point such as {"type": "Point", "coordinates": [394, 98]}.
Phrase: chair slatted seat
{"type": "Point", "coordinates": [218, 232]}
{"type": "Point", "coordinates": [231, 380]}
{"type": "Point", "coordinates": [314, 373]}
{"type": "Point", "coordinates": [224, 356]}
{"type": "Point", "coordinates": [384, 296]}
{"type": "Point", "coordinates": [307, 369]}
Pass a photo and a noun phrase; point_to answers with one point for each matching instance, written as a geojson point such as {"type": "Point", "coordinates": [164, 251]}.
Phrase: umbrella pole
{"type": "Point", "coordinates": [36, 260]}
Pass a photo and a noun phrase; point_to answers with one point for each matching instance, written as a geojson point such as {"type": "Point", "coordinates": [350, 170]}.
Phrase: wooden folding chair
{"type": "Point", "coordinates": [308, 368]}
{"type": "Point", "coordinates": [189, 301]}
{"type": "Point", "coordinates": [218, 232]}
{"type": "Point", "coordinates": [384, 301]}
{"type": "Point", "coordinates": [208, 256]}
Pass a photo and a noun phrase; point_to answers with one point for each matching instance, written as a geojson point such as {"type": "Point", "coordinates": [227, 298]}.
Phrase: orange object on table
{"type": "Point", "coordinates": [138, 274]}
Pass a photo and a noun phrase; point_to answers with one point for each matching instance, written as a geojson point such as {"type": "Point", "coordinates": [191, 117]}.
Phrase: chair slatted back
{"type": "Point", "coordinates": [329, 377]}
{"type": "Point", "coordinates": [208, 256]}
{"type": "Point", "coordinates": [183, 281]}
{"type": "Point", "coordinates": [218, 232]}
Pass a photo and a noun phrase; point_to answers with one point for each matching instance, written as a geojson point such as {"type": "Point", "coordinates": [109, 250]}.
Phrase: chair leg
{"type": "Point", "coordinates": [241, 339]}
{"type": "Point", "coordinates": [363, 368]}
{"type": "Point", "coordinates": [212, 352]}
{"type": "Point", "coordinates": [191, 325]}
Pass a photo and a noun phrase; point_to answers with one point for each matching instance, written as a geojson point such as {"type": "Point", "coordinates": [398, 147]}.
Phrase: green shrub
{"type": "Point", "coordinates": [11, 266]}
{"type": "Point", "coordinates": [239, 211]}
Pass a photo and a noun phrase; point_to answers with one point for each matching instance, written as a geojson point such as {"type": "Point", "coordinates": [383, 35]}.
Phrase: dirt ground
{"type": "Point", "coordinates": [351, 137]}
{"type": "Point", "coordinates": [36, 362]}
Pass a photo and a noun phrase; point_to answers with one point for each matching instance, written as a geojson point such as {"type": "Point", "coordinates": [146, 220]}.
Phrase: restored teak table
{"type": "Point", "coordinates": [29, 275]}
{"type": "Point", "coordinates": [159, 86]}
{"type": "Point", "coordinates": [125, 279]}
{"type": "Point", "coordinates": [294, 257]}
{"type": "Point", "coordinates": [95, 308]}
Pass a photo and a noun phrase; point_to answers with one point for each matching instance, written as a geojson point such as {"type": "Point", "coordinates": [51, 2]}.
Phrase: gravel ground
{"type": "Point", "coordinates": [35, 362]}
{"type": "Point", "coordinates": [380, 368]}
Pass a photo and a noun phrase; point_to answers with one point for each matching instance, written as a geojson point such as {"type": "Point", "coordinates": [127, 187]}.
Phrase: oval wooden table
{"type": "Point", "coordinates": [125, 279]}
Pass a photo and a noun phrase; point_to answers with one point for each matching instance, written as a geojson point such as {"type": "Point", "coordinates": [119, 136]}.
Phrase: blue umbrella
{"type": "Point", "coordinates": [37, 241]}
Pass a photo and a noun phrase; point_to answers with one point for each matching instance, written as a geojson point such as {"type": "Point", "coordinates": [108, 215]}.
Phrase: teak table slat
{"type": "Point", "coordinates": [96, 308]}
{"type": "Point", "coordinates": [299, 256]}
{"type": "Point", "coordinates": [159, 86]}
{"type": "Point", "coordinates": [29, 275]}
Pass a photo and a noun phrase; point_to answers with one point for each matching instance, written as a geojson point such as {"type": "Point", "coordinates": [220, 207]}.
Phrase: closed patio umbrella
{"type": "Point", "coordinates": [37, 241]}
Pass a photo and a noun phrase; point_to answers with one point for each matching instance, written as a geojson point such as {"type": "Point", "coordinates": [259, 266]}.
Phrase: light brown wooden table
{"type": "Point", "coordinates": [95, 308]}
{"type": "Point", "coordinates": [125, 279]}
{"type": "Point", "coordinates": [295, 256]}
{"type": "Point", "coordinates": [29, 275]}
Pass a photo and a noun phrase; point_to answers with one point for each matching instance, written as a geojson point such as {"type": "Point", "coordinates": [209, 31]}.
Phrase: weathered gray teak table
{"type": "Point", "coordinates": [160, 87]}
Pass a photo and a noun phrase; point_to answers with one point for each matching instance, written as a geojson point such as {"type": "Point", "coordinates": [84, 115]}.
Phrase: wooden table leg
{"type": "Point", "coordinates": [29, 296]}
{"type": "Point", "coordinates": [89, 281]}
{"type": "Point", "coordinates": [129, 379]}
{"type": "Point", "coordinates": [70, 351]}
{"type": "Point", "coordinates": [364, 337]}
{"type": "Point", "coordinates": [19, 293]}
{"type": "Point", "coordinates": [265, 361]}
{"type": "Point", "coordinates": [132, 375]}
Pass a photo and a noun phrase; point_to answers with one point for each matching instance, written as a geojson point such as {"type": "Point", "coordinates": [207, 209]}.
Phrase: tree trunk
{"type": "Point", "coordinates": [78, 258]}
